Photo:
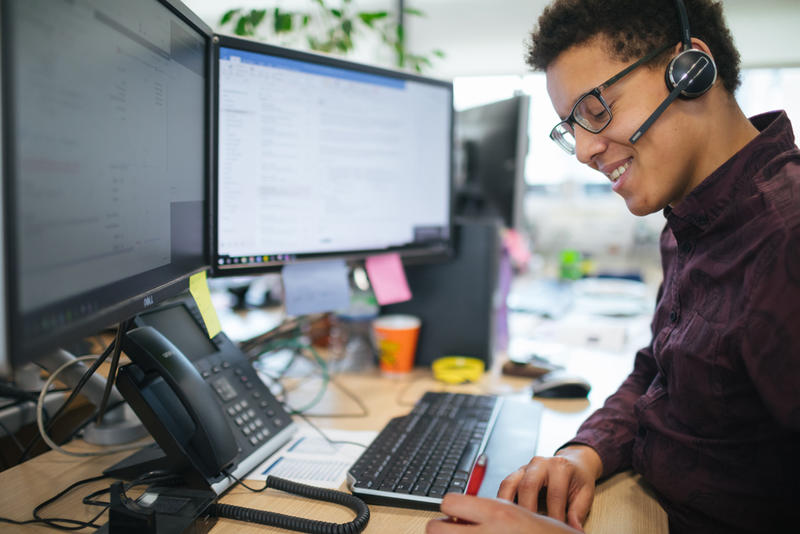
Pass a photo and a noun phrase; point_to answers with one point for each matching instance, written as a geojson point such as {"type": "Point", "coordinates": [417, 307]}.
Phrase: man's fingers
{"type": "Point", "coordinates": [464, 507]}
{"type": "Point", "coordinates": [529, 487]}
{"type": "Point", "coordinates": [557, 486]}
{"type": "Point", "coordinates": [579, 507]}
{"type": "Point", "coordinates": [508, 487]}
{"type": "Point", "coordinates": [573, 521]}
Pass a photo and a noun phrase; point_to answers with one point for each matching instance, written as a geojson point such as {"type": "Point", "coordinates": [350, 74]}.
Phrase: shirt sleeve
{"type": "Point", "coordinates": [611, 430]}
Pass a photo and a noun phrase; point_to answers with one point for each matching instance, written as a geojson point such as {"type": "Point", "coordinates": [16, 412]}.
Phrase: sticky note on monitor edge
{"type": "Point", "coordinates": [388, 278]}
{"type": "Point", "coordinates": [198, 287]}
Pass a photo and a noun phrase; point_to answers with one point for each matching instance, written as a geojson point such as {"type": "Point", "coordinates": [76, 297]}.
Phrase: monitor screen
{"type": "Point", "coordinates": [106, 107]}
{"type": "Point", "coordinates": [492, 145]}
{"type": "Point", "coordinates": [323, 157]}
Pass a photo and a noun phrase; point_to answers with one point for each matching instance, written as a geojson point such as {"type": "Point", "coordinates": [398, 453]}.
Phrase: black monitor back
{"type": "Point", "coordinates": [456, 300]}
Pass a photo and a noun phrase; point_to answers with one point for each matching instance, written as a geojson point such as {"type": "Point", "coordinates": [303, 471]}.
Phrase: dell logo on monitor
{"type": "Point", "coordinates": [149, 301]}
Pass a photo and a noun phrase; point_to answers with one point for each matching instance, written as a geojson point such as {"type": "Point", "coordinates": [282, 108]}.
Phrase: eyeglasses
{"type": "Point", "coordinates": [591, 112]}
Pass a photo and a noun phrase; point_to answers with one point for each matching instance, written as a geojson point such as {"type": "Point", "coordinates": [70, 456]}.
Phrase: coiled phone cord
{"type": "Point", "coordinates": [300, 524]}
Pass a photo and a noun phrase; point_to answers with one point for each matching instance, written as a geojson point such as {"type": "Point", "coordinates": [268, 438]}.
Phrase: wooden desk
{"type": "Point", "coordinates": [621, 505]}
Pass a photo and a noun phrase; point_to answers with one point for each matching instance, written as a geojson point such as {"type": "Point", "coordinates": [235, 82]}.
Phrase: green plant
{"type": "Point", "coordinates": [331, 30]}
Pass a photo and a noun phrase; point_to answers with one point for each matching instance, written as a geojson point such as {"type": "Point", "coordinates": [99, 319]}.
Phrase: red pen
{"type": "Point", "coordinates": [474, 484]}
{"type": "Point", "coordinates": [476, 477]}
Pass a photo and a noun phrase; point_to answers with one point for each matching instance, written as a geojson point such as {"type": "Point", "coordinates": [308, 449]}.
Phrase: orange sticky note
{"type": "Point", "coordinates": [388, 278]}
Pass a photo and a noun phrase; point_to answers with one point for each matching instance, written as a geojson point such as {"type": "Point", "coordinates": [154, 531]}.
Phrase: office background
{"type": "Point", "coordinates": [565, 204]}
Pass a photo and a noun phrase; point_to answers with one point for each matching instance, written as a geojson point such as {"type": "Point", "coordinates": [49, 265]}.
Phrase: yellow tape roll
{"type": "Point", "coordinates": [458, 369]}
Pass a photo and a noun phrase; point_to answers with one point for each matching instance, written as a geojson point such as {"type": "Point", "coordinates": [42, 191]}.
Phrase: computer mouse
{"type": "Point", "coordinates": [560, 385]}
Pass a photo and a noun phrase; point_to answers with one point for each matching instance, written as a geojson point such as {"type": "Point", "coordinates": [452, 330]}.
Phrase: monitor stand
{"type": "Point", "coordinates": [119, 425]}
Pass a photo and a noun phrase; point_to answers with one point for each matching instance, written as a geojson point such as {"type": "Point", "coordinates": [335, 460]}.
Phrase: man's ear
{"type": "Point", "coordinates": [699, 44]}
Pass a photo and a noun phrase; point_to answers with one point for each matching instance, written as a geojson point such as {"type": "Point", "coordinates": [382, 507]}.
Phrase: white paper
{"type": "Point", "coordinates": [310, 459]}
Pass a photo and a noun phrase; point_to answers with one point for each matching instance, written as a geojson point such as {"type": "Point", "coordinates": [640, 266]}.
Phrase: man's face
{"type": "Point", "coordinates": [658, 170]}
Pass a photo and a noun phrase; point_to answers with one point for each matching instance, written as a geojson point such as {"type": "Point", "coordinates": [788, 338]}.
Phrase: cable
{"type": "Point", "coordinates": [299, 524]}
{"type": "Point", "coordinates": [53, 445]}
{"type": "Point", "coordinates": [112, 372]}
{"type": "Point", "coordinates": [57, 522]}
{"type": "Point", "coordinates": [353, 396]}
{"type": "Point", "coordinates": [325, 436]}
{"type": "Point", "coordinates": [327, 378]}
{"type": "Point", "coordinates": [76, 390]}
{"type": "Point", "coordinates": [86, 422]}
{"type": "Point", "coordinates": [158, 476]}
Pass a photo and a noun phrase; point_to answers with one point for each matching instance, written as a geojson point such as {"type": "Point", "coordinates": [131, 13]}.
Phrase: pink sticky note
{"type": "Point", "coordinates": [388, 279]}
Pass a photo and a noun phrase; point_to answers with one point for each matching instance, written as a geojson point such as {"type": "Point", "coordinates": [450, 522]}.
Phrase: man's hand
{"type": "Point", "coordinates": [478, 515]}
{"type": "Point", "coordinates": [569, 479]}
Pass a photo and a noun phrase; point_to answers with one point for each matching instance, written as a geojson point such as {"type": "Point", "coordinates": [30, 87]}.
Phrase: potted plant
{"type": "Point", "coordinates": [328, 29]}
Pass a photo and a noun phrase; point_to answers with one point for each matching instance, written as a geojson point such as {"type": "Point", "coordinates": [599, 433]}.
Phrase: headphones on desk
{"type": "Point", "coordinates": [689, 75]}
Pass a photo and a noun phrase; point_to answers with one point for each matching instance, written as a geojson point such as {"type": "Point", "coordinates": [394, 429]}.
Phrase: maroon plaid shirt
{"type": "Point", "coordinates": [710, 415]}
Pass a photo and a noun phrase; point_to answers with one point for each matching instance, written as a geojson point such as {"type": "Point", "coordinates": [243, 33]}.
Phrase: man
{"type": "Point", "coordinates": [710, 415]}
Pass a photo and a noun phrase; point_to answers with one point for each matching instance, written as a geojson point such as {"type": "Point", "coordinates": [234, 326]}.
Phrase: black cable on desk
{"type": "Point", "coordinates": [59, 522]}
{"type": "Point", "coordinates": [299, 524]}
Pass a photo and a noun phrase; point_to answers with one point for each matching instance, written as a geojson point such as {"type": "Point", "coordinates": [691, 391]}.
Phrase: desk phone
{"type": "Point", "coordinates": [202, 401]}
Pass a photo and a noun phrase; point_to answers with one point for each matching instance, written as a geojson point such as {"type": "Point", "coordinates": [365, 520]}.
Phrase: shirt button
{"type": "Point", "coordinates": [673, 316]}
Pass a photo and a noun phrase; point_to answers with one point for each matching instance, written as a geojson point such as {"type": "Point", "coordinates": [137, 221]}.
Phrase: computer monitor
{"type": "Point", "coordinates": [106, 120]}
{"type": "Point", "coordinates": [320, 157]}
{"type": "Point", "coordinates": [492, 143]}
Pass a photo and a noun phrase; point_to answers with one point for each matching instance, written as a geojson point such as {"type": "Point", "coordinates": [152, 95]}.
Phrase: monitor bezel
{"type": "Point", "coordinates": [410, 254]}
{"type": "Point", "coordinates": [148, 288]}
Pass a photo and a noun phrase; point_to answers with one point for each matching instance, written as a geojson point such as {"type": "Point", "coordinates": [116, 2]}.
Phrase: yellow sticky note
{"type": "Point", "coordinates": [198, 287]}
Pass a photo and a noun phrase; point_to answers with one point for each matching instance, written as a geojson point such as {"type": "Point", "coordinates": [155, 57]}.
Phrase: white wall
{"type": "Point", "coordinates": [483, 37]}
{"type": "Point", "coordinates": [487, 37]}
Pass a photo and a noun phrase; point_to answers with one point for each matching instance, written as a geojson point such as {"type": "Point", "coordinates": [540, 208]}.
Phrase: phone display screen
{"type": "Point", "coordinates": [180, 327]}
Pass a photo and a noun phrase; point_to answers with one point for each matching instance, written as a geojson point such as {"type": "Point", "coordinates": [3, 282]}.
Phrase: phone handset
{"type": "Point", "coordinates": [206, 438]}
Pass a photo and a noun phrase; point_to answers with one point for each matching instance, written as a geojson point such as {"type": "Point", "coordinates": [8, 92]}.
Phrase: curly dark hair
{"type": "Point", "coordinates": [633, 29]}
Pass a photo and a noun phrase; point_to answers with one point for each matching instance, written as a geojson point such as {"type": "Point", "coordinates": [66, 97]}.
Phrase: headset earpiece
{"type": "Point", "coordinates": [689, 75]}
{"type": "Point", "coordinates": [700, 82]}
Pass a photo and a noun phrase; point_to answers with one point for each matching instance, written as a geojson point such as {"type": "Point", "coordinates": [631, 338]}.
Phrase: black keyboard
{"type": "Point", "coordinates": [419, 457]}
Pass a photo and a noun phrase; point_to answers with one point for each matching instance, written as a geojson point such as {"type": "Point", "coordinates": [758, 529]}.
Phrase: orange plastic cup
{"type": "Point", "coordinates": [396, 338]}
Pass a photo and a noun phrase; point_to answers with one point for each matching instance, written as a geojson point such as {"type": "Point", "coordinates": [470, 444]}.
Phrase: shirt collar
{"type": "Point", "coordinates": [706, 201]}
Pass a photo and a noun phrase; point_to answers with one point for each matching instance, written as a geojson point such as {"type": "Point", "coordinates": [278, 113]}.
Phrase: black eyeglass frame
{"type": "Point", "coordinates": [555, 133]}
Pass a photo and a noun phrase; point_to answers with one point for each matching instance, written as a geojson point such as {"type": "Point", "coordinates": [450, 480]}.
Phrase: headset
{"type": "Point", "coordinates": [689, 74]}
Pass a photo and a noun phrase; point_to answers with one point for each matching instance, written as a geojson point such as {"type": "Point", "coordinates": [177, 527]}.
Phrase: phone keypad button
{"type": "Point", "coordinates": [253, 440]}
{"type": "Point", "coordinates": [231, 410]}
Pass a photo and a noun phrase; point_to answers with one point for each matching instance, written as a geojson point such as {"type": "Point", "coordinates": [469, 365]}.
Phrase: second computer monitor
{"type": "Point", "coordinates": [320, 157]}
